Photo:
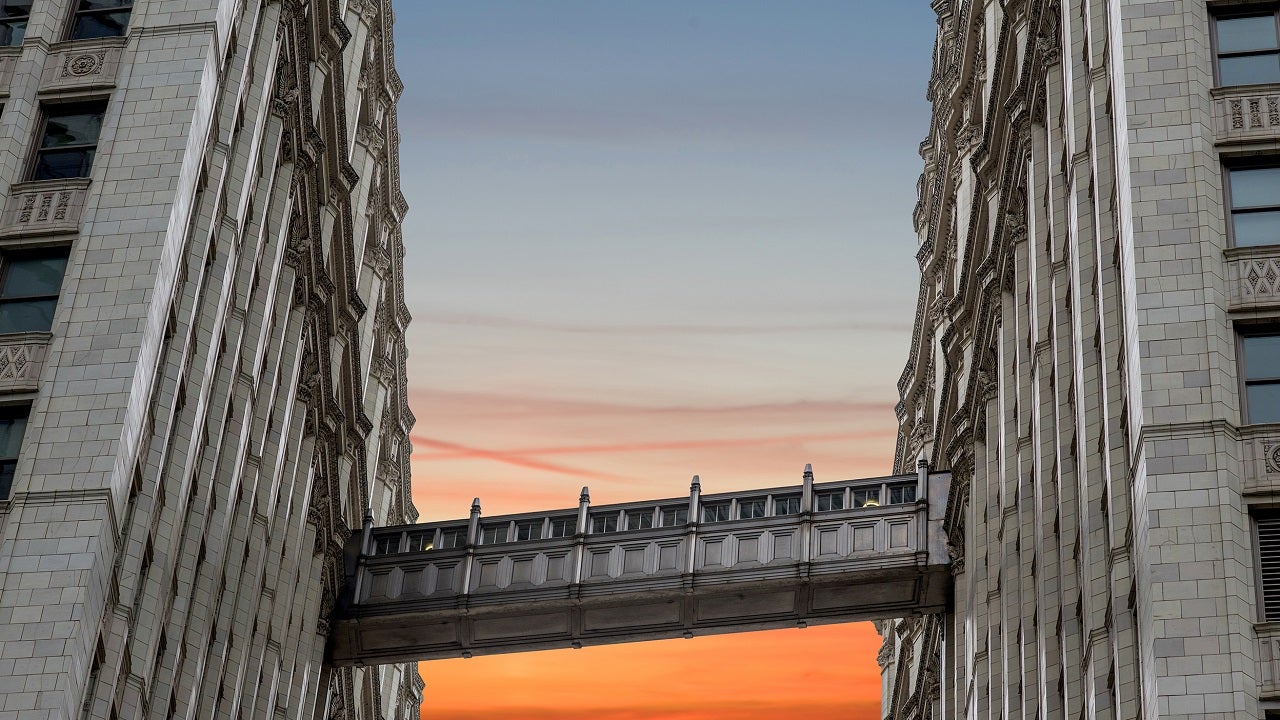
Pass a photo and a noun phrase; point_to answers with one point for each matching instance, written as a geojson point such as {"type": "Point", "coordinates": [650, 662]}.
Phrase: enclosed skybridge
{"type": "Point", "coordinates": [752, 560]}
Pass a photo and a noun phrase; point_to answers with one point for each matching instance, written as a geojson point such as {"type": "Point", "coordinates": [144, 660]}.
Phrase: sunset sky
{"type": "Point", "coordinates": [648, 240]}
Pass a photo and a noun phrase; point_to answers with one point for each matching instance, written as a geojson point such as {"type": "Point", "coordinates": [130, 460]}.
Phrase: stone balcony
{"type": "Point", "coordinates": [782, 557]}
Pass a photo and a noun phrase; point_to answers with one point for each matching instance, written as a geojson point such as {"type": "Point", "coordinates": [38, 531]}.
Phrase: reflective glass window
{"type": "Point", "coordinates": [13, 422]}
{"type": "Point", "coordinates": [529, 529]}
{"type": "Point", "coordinates": [1248, 49]}
{"type": "Point", "coordinates": [421, 541]}
{"type": "Point", "coordinates": [605, 523]}
{"type": "Point", "coordinates": [639, 519]}
{"type": "Point", "coordinates": [68, 142]}
{"type": "Point", "coordinates": [29, 286]}
{"type": "Point", "coordinates": [14, 15]}
{"type": "Point", "coordinates": [751, 508]}
{"type": "Point", "coordinates": [562, 527]}
{"type": "Point", "coordinates": [830, 501]}
{"type": "Point", "coordinates": [1262, 377]}
{"type": "Point", "coordinates": [788, 505]}
{"type": "Point", "coordinates": [674, 516]}
{"type": "Point", "coordinates": [453, 537]}
{"type": "Point", "coordinates": [100, 18]}
{"type": "Point", "coordinates": [493, 534]}
{"type": "Point", "coordinates": [866, 497]}
{"type": "Point", "coordinates": [715, 512]}
{"type": "Point", "coordinates": [904, 493]}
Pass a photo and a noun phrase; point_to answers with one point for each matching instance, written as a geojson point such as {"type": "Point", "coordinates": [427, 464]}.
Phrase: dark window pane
{"type": "Point", "coordinates": [562, 527]}
{"type": "Point", "coordinates": [672, 517]}
{"type": "Point", "coordinates": [11, 429]}
{"type": "Point", "coordinates": [639, 519]}
{"type": "Point", "coordinates": [1255, 187]}
{"type": "Point", "coordinates": [786, 505]}
{"type": "Point", "coordinates": [1264, 403]}
{"type": "Point", "coordinates": [103, 4]}
{"type": "Point", "coordinates": [453, 537]}
{"type": "Point", "coordinates": [1249, 69]}
{"type": "Point", "coordinates": [604, 523]}
{"type": "Point", "coordinates": [1247, 33]}
{"type": "Point", "coordinates": [529, 530]}
{"type": "Point", "coordinates": [27, 315]}
{"type": "Point", "coordinates": [1255, 228]}
{"type": "Point", "coordinates": [6, 477]}
{"type": "Point", "coordinates": [1262, 357]}
{"type": "Point", "coordinates": [72, 129]}
{"type": "Point", "coordinates": [24, 277]}
{"type": "Point", "coordinates": [15, 8]}
{"type": "Point", "coordinates": [12, 32]}
{"type": "Point", "coordinates": [104, 24]}
{"type": "Point", "coordinates": [58, 164]}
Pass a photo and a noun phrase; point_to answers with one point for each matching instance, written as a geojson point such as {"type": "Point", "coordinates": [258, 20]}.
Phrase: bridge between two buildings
{"type": "Point", "coordinates": [752, 560]}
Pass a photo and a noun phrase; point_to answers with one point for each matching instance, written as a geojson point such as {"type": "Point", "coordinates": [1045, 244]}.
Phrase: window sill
{"type": "Point", "coordinates": [1255, 89]}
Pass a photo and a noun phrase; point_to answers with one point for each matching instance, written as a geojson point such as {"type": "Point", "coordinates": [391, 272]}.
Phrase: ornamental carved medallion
{"type": "Point", "coordinates": [75, 66]}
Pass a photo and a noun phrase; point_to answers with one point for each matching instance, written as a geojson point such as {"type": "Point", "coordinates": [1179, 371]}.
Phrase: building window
{"type": "Point", "coordinates": [29, 286]}
{"type": "Point", "coordinates": [453, 538]}
{"type": "Point", "coordinates": [13, 421]}
{"type": "Point", "coordinates": [493, 534]}
{"type": "Point", "coordinates": [386, 545]}
{"type": "Point", "coordinates": [639, 519]}
{"type": "Point", "coordinates": [529, 530]}
{"type": "Point", "coordinates": [866, 497]}
{"type": "Point", "coordinates": [562, 527]}
{"type": "Point", "coordinates": [604, 523]}
{"type": "Point", "coordinates": [421, 541]}
{"type": "Point", "coordinates": [675, 516]}
{"type": "Point", "coordinates": [69, 141]}
{"type": "Point", "coordinates": [788, 505]}
{"type": "Point", "coordinates": [753, 508]}
{"type": "Point", "coordinates": [1268, 536]}
{"type": "Point", "coordinates": [13, 21]}
{"type": "Point", "coordinates": [900, 494]}
{"type": "Point", "coordinates": [1255, 205]}
{"type": "Point", "coordinates": [100, 18]}
{"type": "Point", "coordinates": [715, 512]}
{"type": "Point", "coordinates": [831, 501]}
{"type": "Point", "coordinates": [1261, 377]}
{"type": "Point", "coordinates": [1248, 52]}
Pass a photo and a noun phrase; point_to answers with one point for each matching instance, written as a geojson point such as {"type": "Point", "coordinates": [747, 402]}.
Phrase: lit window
{"type": "Point", "coordinates": [899, 494]}
{"type": "Point", "coordinates": [100, 18]}
{"type": "Point", "coordinates": [29, 286]}
{"type": "Point", "coordinates": [753, 508]}
{"type": "Point", "coordinates": [789, 505]}
{"type": "Point", "coordinates": [674, 516]}
{"type": "Point", "coordinates": [866, 497]}
{"type": "Point", "coordinates": [716, 512]}
{"type": "Point", "coordinates": [13, 421]}
{"type": "Point", "coordinates": [69, 141]}
{"type": "Point", "coordinates": [831, 501]}
{"type": "Point", "coordinates": [639, 519]}
{"type": "Point", "coordinates": [493, 534]}
{"type": "Point", "coordinates": [1247, 47]}
{"type": "Point", "coordinates": [421, 541]}
{"type": "Point", "coordinates": [1255, 205]}
{"type": "Point", "coordinates": [604, 523]}
{"type": "Point", "coordinates": [562, 527]}
{"type": "Point", "coordinates": [529, 530]}
{"type": "Point", "coordinates": [14, 15]}
{"type": "Point", "coordinates": [1262, 377]}
{"type": "Point", "coordinates": [453, 538]}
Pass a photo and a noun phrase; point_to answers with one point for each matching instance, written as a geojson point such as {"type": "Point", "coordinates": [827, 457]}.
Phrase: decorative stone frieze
{"type": "Point", "coordinates": [82, 65]}
{"type": "Point", "coordinates": [1253, 277]}
{"type": "Point", "coordinates": [45, 207]}
{"type": "Point", "coordinates": [1261, 458]}
{"type": "Point", "coordinates": [1245, 113]}
{"type": "Point", "coordinates": [22, 358]}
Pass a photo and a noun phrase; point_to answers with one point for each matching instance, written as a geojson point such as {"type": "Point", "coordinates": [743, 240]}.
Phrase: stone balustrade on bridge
{"type": "Point", "coordinates": [726, 562]}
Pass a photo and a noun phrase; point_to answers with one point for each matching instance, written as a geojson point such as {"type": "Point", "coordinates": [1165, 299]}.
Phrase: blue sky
{"type": "Point", "coordinates": [650, 239]}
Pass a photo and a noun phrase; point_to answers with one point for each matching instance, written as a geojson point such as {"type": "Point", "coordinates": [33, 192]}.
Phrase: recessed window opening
{"type": "Point", "coordinates": [69, 141]}
{"type": "Point", "coordinates": [1261, 371]}
{"type": "Point", "coordinates": [100, 18]}
{"type": "Point", "coordinates": [14, 15]}
{"type": "Point", "coordinates": [29, 287]}
{"type": "Point", "coordinates": [13, 422]}
{"type": "Point", "coordinates": [1248, 48]}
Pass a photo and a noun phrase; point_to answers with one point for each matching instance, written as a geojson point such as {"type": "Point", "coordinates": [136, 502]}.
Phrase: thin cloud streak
{"type": "Point", "coordinates": [507, 323]}
{"type": "Point", "coordinates": [463, 452]}
{"type": "Point", "coordinates": [516, 460]}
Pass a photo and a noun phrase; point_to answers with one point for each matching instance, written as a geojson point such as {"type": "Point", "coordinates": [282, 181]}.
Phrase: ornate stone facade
{"type": "Point", "coordinates": [1074, 364]}
{"type": "Point", "coordinates": [221, 398]}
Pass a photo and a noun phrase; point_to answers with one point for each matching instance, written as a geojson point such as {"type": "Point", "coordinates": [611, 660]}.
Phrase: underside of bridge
{"type": "Point", "coordinates": [753, 560]}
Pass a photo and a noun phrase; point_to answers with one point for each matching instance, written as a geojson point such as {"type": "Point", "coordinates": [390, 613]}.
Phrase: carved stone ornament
{"type": "Point", "coordinates": [83, 64]}
{"type": "Point", "coordinates": [1271, 453]}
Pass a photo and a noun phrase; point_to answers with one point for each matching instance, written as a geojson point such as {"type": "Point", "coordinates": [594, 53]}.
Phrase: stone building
{"type": "Point", "coordinates": [202, 378]}
{"type": "Point", "coordinates": [1096, 358]}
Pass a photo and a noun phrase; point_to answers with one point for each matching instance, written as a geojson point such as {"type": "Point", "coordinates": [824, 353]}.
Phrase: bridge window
{"type": "Point", "coordinates": [788, 505]}
{"type": "Point", "coordinates": [752, 508]}
{"type": "Point", "coordinates": [453, 538]}
{"type": "Point", "coordinates": [715, 512]}
{"type": "Point", "coordinates": [421, 541]}
{"type": "Point", "coordinates": [899, 494]}
{"type": "Point", "coordinates": [866, 497]}
{"type": "Point", "coordinates": [604, 523]}
{"type": "Point", "coordinates": [639, 519]}
{"type": "Point", "coordinates": [386, 545]}
{"type": "Point", "coordinates": [529, 529]}
{"type": "Point", "coordinates": [831, 501]}
{"type": "Point", "coordinates": [562, 527]}
{"type": "Point", "coordinates": [674, 516]}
